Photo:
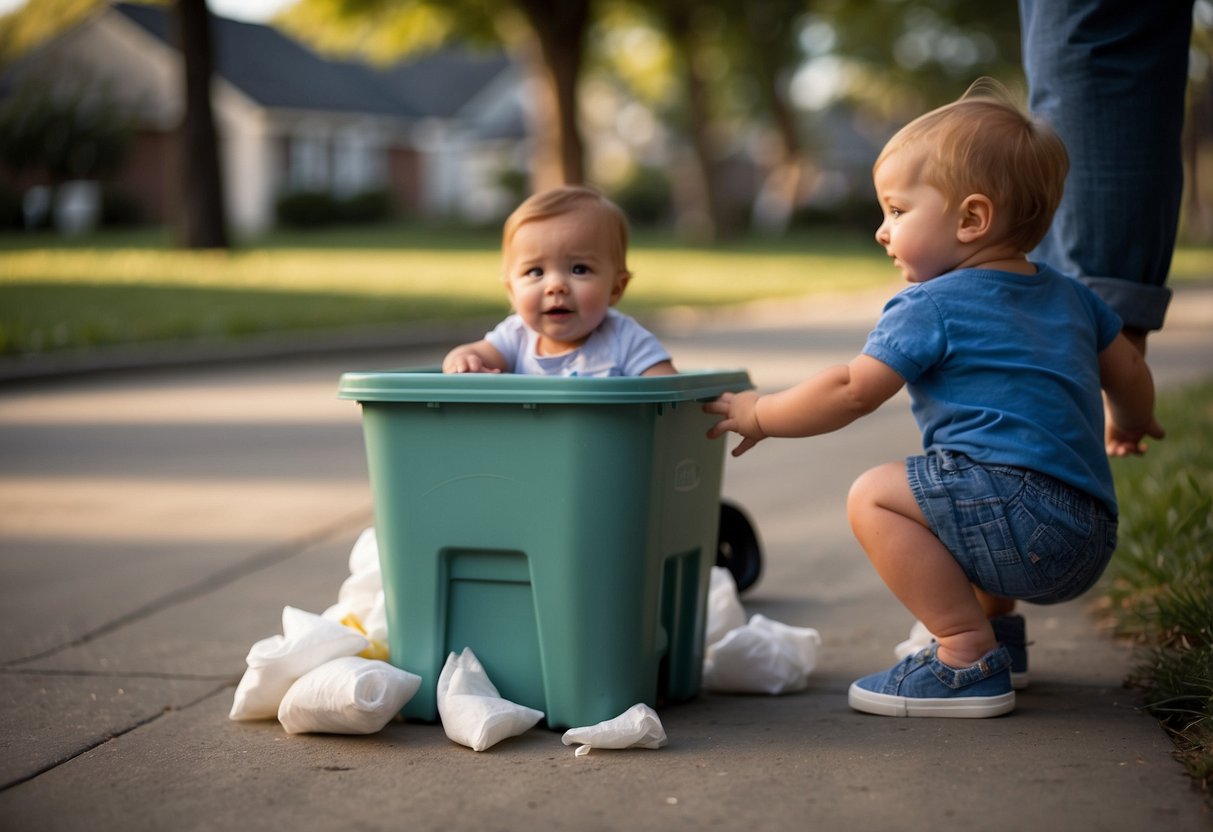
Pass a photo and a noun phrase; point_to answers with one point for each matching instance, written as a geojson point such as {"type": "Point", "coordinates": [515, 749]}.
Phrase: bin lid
{"type": "Point", "coordinates": [432, 385]}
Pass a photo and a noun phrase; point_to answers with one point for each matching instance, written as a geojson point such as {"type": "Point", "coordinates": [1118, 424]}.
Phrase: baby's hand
{"type": "Point", "coordinates": [738, 410]}
{"type": "Point", "coordinates": [467, 362]}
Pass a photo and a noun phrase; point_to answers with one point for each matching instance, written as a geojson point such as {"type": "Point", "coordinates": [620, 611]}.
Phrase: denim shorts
{"type": "Point", "coordinates": [1016, 533]}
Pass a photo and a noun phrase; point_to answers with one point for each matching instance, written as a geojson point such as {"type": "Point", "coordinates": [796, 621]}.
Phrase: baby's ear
{"type": "Point", "coordinates": [621, 282]}
{"type": "Point", "coordinates": [976, 218]}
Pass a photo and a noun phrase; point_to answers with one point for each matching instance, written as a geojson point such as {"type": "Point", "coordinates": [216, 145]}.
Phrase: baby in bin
{"type": "Point", "coordinates": [564, 259]}
{"type": "Point", "coordinates": [564, 254]}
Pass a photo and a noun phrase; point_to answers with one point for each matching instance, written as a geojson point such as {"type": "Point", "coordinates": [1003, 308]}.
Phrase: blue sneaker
{"type": "Point", "coordinates": [921, 685]}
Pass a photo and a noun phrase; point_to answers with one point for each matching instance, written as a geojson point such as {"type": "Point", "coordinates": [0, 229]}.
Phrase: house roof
{"type": "Point", "coordinates": [278, 72]}
{"type": "Point", "coordinates": [274, 70]}
{"type": "Point", "coordinates": [441, 83]}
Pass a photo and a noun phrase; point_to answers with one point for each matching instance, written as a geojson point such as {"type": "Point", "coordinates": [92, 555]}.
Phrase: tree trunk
{"type": "Point", "coordinates": [560, 27]}
{"type": "Point", "coordinates": [202, 213]}
{"type": "Point", "coordinates": [777, 198]}
{"type": "Point", "coordinates": [1198, 128]}
{"type": "Point", "coordinates": [706, 221]}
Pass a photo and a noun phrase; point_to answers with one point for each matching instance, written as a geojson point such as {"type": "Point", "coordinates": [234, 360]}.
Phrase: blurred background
{"type": "Point", "coordinates": [712, 118]}
{"type": "Point", "coordinates": [347, 127]}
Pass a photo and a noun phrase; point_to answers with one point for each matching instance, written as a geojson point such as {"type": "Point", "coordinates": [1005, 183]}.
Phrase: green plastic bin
{"type": "Point", "coordinates": [563, 528]}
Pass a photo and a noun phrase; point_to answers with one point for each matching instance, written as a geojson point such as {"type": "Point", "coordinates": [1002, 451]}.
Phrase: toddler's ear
{"type": "Point", "coordinates": [976, 218]}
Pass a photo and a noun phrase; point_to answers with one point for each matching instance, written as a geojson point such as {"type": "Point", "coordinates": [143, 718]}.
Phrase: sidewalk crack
{"type": "Point", "coordinates": [25, 778]}
{"type": "Point", "coordinates": [224, 577]}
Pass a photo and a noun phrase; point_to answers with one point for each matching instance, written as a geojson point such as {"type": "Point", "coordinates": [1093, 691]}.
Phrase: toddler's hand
{"type": "Point", "coordinates": [1120, 442]}
{"type": "Point", "coordinates": [738, 410]}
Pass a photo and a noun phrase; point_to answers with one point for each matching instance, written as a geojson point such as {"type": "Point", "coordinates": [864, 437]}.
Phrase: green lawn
{"type": "Point", "coordinates": [127, 287]}
{"type": "Point", "coordinates": [116, 289]}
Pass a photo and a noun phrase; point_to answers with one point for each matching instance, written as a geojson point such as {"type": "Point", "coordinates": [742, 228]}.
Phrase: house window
{"type": "Point", "coordinates": [309, 164]}
{"type": "Point", "coordinates": [358, 162]}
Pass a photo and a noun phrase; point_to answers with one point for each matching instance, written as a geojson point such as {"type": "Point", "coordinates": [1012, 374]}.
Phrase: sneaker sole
{"type": "Point", "coordinates": [964, 707]}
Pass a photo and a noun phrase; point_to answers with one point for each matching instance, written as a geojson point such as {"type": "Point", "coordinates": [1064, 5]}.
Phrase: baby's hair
{"type": "Point", "coordinates": [565, 199]}
{"type": "Point", "coordinates": [983, 143]}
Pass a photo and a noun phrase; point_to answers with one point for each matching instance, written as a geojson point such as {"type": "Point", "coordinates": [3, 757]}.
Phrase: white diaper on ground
{"type": "Point", "coordinates": [724, 607]}
{"type": "Point", "coordinates": [472, 711]}
{"type": "Point", "coordinates": [349, 695]}
{"type": "Point", "coordinates": [307, 641]}
{"type": "Point", "coordinates": [764, 656]}
{"type": "Point", "coordinates": [637, 727]}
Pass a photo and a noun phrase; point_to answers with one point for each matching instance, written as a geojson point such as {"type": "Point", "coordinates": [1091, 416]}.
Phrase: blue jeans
{"type": "Point", "coordinates": [1110, 75]}
{"type": "Point", "coordinates": [1014, 532]}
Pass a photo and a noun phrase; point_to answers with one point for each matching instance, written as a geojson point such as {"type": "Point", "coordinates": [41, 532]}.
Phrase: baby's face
{"type": "Point", "coordinates": [561, 277]}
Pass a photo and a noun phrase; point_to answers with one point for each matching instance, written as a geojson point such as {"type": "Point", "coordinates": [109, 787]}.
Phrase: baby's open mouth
{"type": "Point", "coordinates": [558, 312]}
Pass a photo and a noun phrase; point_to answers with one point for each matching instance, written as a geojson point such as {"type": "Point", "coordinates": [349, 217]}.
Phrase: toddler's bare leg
{"type": "Point", "coordinates": [994, 605]}
{"type": "Point", "coordinates": [916, 566]}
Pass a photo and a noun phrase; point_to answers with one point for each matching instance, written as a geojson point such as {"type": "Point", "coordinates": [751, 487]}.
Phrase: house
{"type": "Point", "coordinates": [435, 132]}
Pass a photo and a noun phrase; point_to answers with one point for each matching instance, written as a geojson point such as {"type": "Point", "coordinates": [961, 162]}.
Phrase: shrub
{"type": "Point", "coordinates": [119, 209]}
{"type": "Point", "coordinates": [645, 197]}
{"type": "Point", "coordinates": [72, 128]}
{"type": "Point", "coordinates": [307, 209]}
{"type": "Point", "coordinates": [366, 207]}
{"type": "Point", "coordinates": [10, 209]}
{"type": "Point", "coordinates": [315, 209]}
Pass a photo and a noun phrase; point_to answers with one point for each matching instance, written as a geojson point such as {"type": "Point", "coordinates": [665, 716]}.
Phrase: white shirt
{"type": "Point", "coordinates": [618, 347]}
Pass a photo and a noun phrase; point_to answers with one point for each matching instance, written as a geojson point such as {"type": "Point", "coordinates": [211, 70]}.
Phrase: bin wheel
{"type": "Point", "coordinates": [737, 549]}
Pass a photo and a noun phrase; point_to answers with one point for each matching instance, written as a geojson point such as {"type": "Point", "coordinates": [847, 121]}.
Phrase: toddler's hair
{"type": "Point", "coordinates": [984, 143]}
{"type": "Point", "coordinates": [564, 200]}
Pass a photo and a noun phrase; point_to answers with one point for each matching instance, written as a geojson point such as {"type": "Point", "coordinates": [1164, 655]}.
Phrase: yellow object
{"type": "Point", "coordinates": [376, 649]}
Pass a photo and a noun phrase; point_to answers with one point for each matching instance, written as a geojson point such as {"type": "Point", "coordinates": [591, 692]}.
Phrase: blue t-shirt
{"type": "Point", "coordinates": [1004, 367]}
{"type": "Point", "coordinates": [618, 347]}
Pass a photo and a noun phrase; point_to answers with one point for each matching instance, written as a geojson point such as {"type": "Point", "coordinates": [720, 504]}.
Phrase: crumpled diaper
{"type": "Point", "coordinates": [360, 603]}
{"type": "Point", "coordinates": [724, 607]}
{"type": "Point", "coordinates": [349, 695]}
{"type": "Point", "coordinates": [637, 727]}
{"type": "Point", "coordinates": [472, 711]}
{"type": "Point", "coordinates": [307, 641]}
{"type": "Point", "coordinates": [764, 656]}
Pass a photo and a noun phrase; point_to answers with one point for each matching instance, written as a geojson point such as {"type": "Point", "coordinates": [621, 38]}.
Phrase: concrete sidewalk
{"type": "Point", "coordinates": [153, 525]}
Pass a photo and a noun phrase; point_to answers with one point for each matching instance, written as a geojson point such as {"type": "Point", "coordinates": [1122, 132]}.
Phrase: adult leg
{"type": "Point", "coordinates": [916, 566]}
{"type": "Point", "coordinates": [1110, 76]}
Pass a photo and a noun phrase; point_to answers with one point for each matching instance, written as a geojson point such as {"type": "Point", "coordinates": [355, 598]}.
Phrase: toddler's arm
{"type": "Point", "coordinates": [476, 357]}
{"type": "Point", "coordinates": [830, 400]}
{"type": "Point", "coordinates": [1129, 389]}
